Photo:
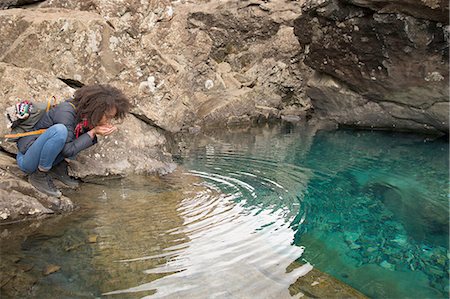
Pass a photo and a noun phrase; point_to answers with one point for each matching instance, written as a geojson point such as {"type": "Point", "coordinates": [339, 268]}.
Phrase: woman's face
{"type": "Point", "coordinates": [108, 117]}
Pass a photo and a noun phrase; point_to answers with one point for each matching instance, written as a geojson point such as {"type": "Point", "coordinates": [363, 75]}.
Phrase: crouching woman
{"type": "Point", "coordinates": [72, 126]}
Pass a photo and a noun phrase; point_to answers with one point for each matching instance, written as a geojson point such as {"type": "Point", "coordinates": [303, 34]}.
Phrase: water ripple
{"type": "Point", "coordinates": [227, 241]}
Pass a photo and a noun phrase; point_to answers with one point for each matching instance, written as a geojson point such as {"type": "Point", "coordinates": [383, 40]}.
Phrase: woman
{"type": "Point", "coordinates": [72, 126]}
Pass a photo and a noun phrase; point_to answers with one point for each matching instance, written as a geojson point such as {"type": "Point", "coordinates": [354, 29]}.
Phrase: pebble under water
{"type": "Point", "coordinates": [246, 215]}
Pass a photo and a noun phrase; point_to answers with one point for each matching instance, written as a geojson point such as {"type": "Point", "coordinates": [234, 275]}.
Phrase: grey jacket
{"type": "Point", "coordinates": [65, 114]}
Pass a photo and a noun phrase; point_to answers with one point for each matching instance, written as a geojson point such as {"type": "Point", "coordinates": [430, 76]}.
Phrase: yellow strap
{"type": "Point", "coordinates": [37, 132]}
{"type": "Point", "coordinates": [18, 135]}
{"type": "Point", "coordinates": [49, 103]}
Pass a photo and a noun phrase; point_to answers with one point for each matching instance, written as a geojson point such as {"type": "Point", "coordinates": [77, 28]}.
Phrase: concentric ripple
{"type": "Point", "coordinates": [230, 248]}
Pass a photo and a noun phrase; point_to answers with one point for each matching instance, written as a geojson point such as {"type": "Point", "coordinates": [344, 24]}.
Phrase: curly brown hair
{"type": "Point", "coordinates": [92, 101]}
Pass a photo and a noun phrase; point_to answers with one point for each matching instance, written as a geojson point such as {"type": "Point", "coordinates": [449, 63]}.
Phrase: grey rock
{"type": "Point", "coordinates": [135, 148]}
{"type": "Point", "coordinates": [18, 199]}
{"type": "Point", "coordinates": [394, 62]}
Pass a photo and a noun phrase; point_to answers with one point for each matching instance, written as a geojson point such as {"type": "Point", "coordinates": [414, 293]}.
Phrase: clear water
{"type": "Point", "coordinates": [247, 215]}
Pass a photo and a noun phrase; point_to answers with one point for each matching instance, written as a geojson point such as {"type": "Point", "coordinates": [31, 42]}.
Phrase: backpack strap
{"type": "Point", "coordinates": [51, 104]}
{"type": "Point", "coordinates": [18, 135]}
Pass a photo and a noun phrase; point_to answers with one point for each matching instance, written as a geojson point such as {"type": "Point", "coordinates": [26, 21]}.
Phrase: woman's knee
{"type": "Point", "coordinates": [59, 130]}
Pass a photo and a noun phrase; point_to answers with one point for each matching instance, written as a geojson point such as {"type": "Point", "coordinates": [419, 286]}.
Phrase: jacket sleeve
{"type": "Point", "coordinates": [66, 115]}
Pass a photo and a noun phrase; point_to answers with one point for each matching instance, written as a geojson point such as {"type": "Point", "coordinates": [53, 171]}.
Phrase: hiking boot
{"type": "Point", "coordinates": [43, 182]}
{"type": "Point", "coordinates": [60, 173]}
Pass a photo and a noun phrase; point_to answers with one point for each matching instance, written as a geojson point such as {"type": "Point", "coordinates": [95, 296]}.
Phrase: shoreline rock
{"type": "Point", "coordinates": [19, 200]}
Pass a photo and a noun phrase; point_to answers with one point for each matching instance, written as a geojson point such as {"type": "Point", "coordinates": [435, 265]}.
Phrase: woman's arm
{"type": "Point", "coordinates": [65, 114]}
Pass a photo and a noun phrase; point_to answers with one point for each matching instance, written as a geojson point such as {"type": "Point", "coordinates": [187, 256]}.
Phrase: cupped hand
{"type": "Point", "coordinates": [105, 130]}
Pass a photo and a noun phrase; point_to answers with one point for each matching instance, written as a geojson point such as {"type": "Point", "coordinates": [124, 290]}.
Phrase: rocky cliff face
{"type": "Point", "coordinates": [186, 66]}
{"type": "Point", "coordinates": [379, 64]}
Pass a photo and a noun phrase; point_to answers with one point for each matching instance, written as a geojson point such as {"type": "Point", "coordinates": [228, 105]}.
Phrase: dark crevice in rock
{"type": "Point", "coordinates": [258, 5]}
{"type": "Point", "coordinates": [431, 133]}
{"type": "Point", "coordinates": [149, 122]}
{"type": "Point", "coordinates": [19, 3]}
{"type": "Point", "coordinates": [110, 25]}
{"type": "Point", "coordinates": [410, 119]}
{"type": "Point", "coordinates": [428, 128]}
{"type": "Point", "coordinates": [420, 107]}
{"type": "Point", "coordinates": [2, 150]}
{"type": "Point", "coordinates": [12, 63]}
{"type": "Point", "coordinates": [72, 83]}
{"type": "Point", "coordinates": [437, 102]}
{"type": "Point", "coordinates": [404, 105]}
{"type": "Point", "coordinates": [133, 35]}
{"type": "Point", "coordinates": [170, 137]}
{"type": "Point", "coordinates": [25, 218]}
{"type": "Point", "coordinates": [337, 11]}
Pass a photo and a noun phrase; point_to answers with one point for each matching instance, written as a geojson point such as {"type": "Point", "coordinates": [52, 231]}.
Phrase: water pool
{"type": "Point", "coordinates": [246, 215]}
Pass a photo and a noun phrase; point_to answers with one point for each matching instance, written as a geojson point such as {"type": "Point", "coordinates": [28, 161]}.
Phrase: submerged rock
{"type": "Point", "coordinates": [317, 284]}
{"type": "Point", "coordinates": [385, 264]}
{"type": "Point", "coordinates": [49, 269]}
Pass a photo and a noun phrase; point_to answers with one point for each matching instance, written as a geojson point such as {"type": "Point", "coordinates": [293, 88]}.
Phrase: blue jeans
{"type": "Point", "coordinates": [45, 151]}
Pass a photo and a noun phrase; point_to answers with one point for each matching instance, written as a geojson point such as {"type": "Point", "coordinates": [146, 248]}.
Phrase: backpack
{"type": "Point", "coordinates": [23, 116]}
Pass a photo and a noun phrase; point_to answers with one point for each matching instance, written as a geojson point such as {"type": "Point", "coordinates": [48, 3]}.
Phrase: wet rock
{"type": "Point", "coordinates": [316, 284]}
{"type": "Point", "coordinates": [385, 264]}
{"type": "Point", "coordinates": [351, 236]}
{"type": "Point", "coordinates": [92, 238]}
{"type": "Point", "coordinates": [25, 267]}
{"type": "Point", "coordinates": [354, 246]}
{"type": "Point", "coordinates": [49, 269]}
{"type": "Point", "coordinates": [16, 278]}
{"type": "Point", "coordinates": [73, 247]}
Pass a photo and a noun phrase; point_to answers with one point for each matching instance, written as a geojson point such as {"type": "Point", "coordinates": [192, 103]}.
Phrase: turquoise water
{"type": "Point", "coordinates": [380, 203]}
{"type": "Point", "coordinates": [247, 215]}
{"type": "Point", "coordinates": [370, 208]}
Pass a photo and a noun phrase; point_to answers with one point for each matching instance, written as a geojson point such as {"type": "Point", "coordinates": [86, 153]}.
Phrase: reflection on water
{"type": "Point", "coordinates": [228, 245]}
{"type": "Point", "coordinates": [247, 214]}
